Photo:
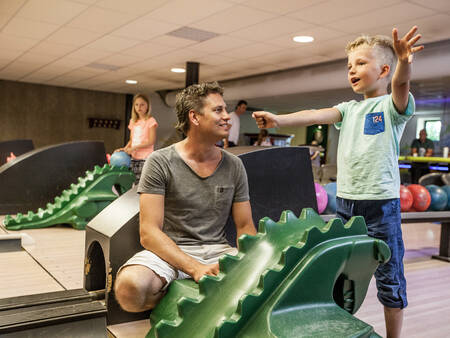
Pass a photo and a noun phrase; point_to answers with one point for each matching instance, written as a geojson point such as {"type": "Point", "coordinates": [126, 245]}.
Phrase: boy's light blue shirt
{"type": "Point", "coordinates": [368, 149]}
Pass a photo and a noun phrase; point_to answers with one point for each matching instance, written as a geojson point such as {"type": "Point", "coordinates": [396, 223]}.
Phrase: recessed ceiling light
{"type": "Point", "coordinates": [178, 70]}
{"type": "Point", "coordinates": [131, 81]}
{"type": "Point", "coordinates": [303, 38]}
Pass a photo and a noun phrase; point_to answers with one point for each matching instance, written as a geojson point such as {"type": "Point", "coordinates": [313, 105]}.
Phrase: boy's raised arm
{"type": "Point", "coordinates": [404, 49]}
{"type": "Point", "coordinates": [301, 118]}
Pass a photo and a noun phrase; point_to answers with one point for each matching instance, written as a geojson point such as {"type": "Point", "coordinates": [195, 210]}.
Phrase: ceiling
{"type": "Point", "coordinates": [98, 44]}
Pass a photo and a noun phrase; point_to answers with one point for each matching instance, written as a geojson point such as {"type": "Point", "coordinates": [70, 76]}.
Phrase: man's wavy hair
{"type": "Point", "coordinates": [192, 98]}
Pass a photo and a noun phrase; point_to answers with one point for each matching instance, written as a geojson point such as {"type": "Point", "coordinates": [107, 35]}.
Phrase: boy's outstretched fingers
{"type": "Point", "coordinates": [404, 47]}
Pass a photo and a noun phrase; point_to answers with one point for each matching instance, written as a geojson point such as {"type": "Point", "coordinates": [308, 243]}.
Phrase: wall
{"type": "Point", "coordinates": [166, 118]}
{"type": "Point", "coordinates": [50, 115]}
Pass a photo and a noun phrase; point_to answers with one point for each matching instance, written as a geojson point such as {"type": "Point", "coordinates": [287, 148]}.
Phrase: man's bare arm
{"type": "Point", "coordinates": [242, 216]}
{"type": "Point", "coordinates": [156, 241]}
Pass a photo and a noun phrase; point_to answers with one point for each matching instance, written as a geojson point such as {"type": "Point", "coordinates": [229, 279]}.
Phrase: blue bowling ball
{"type": "Point", "coordinates": [446, 188]}
{"type": "Point", "coordinates": [438, 198]}
{"type": "Point", "coordinates": [330, 188]}
{"type": "Point", "coordinates": [120, 159]}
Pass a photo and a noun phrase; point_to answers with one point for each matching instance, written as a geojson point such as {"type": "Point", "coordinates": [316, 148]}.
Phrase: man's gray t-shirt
{"type": "Point", "coordinates": [196, 208]}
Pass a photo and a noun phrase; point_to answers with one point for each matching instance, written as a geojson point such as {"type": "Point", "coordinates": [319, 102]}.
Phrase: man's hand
{"type": "Point", "coordinates": [265, 119]}
{"type": "Point", "coordinates": [205, 269]}
{"type": "Point", "coordinates": [404, 48]}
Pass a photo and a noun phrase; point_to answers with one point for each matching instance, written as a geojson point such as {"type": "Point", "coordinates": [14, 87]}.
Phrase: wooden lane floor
{"type": "Point", "coordinates": [53, 258]}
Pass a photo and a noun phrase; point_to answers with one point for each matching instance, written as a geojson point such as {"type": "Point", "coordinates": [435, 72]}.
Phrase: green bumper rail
{"type": "Point", "coordinates": [80, 203]}
{"type": "Point", "coordinates": [299, 277]}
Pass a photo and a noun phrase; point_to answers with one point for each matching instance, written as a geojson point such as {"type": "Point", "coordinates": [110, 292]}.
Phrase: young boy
{"type": "Point", "coordinates": [370, 130]}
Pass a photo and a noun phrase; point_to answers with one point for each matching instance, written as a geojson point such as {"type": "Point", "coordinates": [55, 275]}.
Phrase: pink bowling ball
{"type": "Point", "coordinates": [321, 197]}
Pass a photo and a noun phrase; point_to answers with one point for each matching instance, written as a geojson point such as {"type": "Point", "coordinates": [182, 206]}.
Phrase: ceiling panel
{"type": "Point", "coordinates": [18, 69]}
{"type": "Point", "coordinates": [252, 50]}
{"type": "Point", "coordinates": [10, 7]}
{"type": "Point", "coordinates": [144, 29]}
{"type": "Point", "coordinates": [269, 29]}
{"type": "Point", "coordinates": [338, 9]}
{"type": "Point", "coordinates": [25, 28]}
{"type": "Point", "coordinates": [111, 43]}
{"type": "Point", "coordinates": [52, 49]}
{"type": "Point", "coordinates": [101, 20]}
{"type": "Point", "coordinates": [88, 54]}
{"type": "Point", "coordinates": [176, 11]}
{"type": "Point", "coordinates": [120, 60]}
{"type": "Point", "coordinates": [51, 11]}
{"type": "Point", "coordinates": [73, 36]}
{"type": "Point", "coordinates": [9, 42]}
{"type": "Point", "coordinates": [4, 19]}
{"type": "Point", "coordinates": [440, 5]}
{"type": "Point", "coordinates": [220, 43]}
{"type": "Point", "coordinates": [280, 7]}
{"type": "Point", "coordinates": [320, 34]}
{"type": "Point", "coordinates": [137, 7]}
{"type": "Point", "coordinates": [232, 19]}
{"type": "Point", "coordinates": [392, 15]}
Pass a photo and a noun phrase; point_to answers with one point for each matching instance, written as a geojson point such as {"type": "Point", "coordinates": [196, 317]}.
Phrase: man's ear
{"type": "Point", "coordinates": [193, 117]}
{"type": "Point", "coordinates": [385, 70]}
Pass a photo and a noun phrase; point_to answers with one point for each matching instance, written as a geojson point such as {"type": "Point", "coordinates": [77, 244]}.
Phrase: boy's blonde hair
{"type": "Point", "coordinates": [134, 115]}
{"type": "Point", "coordinates": [382, 45]}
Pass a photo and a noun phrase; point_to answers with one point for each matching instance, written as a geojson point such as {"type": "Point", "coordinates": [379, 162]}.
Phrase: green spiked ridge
{"type": "Point", "coordinates": [294, 265]}
{"type": "Point", "coordinates": [78, 204]}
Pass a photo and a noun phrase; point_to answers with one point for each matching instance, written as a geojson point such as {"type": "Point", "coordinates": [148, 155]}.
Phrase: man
{"type": "Point", "coordinates": [233, 136]}
{"type": "Point", "coordinates": [187, 191]}
{"type": "Point", "coordinates": [422, 147]}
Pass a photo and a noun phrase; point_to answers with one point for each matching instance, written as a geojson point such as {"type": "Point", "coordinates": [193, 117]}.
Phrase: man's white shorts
{"type": "Point", "coordinates": [206, 254]}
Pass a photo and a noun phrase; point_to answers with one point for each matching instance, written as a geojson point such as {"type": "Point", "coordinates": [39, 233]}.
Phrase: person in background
{"type": "Point", "coordinates": [233, 136]}
{"type": "Point", "coordinates": [314, 153]}
{"type": "Point", "coordinates": [263, 139]}
{"type": "Point", "coordinates": [142, 134]}
{"type": "Point", "coordinates": [368, 177]}
{"type": "Point", "coordinates": [422, 147]}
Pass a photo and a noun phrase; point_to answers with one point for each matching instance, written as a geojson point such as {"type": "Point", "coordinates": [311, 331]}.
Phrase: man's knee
{"type": "Point", "coordinates": [137, 288]}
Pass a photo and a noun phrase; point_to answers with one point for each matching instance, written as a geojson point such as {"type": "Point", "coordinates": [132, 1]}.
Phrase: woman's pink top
{"type": "Point", "coordinates": [139, 135]}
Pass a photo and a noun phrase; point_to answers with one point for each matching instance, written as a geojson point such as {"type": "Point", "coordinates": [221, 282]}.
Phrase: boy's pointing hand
{"type": "Point", "coordinates": [265, 119]}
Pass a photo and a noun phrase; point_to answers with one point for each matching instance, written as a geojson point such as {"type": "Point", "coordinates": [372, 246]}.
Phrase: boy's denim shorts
{"type": "Point", "coordinates": [383, 222]}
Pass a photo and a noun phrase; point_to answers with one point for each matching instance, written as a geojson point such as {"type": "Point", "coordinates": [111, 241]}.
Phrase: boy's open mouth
{"type": "Point", "coordinates": [354, 80]}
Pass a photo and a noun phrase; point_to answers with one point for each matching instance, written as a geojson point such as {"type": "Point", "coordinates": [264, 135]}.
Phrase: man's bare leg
{"type": "Point", "coordinates": [137, 288]}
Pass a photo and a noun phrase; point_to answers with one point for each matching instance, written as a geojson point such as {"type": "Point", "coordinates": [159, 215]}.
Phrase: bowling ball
{"type": "Point", "coordinates": [446, 188]}
{"type": "Point", "coordinates": [321, 197]}
{"type": "Point", "coordinates": [120, 159]}
{"type": "Point", "coordinates": [438, 197]}
{"type": "Point", "coordinates": [330, 188]}
{"type": "Point", "coordinates": [421, 197]}
{"type": "Point", "coordinates": [406, 199]}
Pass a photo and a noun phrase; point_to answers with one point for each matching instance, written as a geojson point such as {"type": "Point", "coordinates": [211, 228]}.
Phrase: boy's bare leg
{"type": "Point", "coordinates": [137, 288]}
{"type": "Point", "coordinates": [393, 318]}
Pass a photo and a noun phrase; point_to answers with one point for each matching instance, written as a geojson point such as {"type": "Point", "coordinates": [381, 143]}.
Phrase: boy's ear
{"type": "Point", "coordinates": [385, 70]}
